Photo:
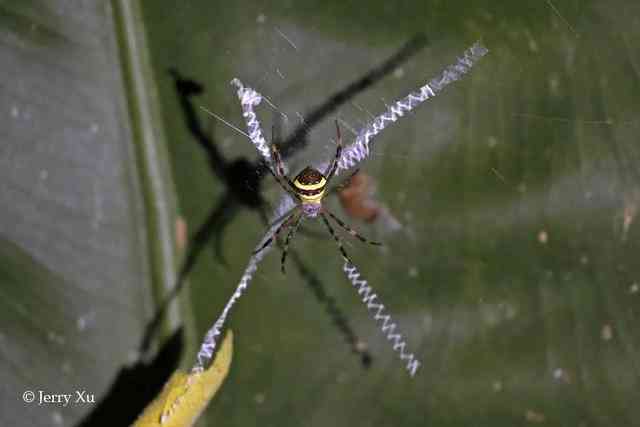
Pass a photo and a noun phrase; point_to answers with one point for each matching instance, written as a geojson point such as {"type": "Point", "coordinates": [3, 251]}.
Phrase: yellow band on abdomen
{"type": "Point", "coordinates": [311, 199]}
{"type": "Point", "coordinates": [315, 186]}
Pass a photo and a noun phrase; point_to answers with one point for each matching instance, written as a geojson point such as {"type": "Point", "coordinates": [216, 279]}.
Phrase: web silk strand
{"type": "Point", "coordinates": [351, 156]}
{"type": "Point", "coordinates": [210, 341]}
{"type": "Point", "coordinates": [249, 99]}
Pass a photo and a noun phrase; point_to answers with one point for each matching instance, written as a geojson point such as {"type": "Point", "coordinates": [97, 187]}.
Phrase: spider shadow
{"type": "Point", "coordinates": [232, 173]}
{"type": "Point", "coordinates": [136, 386]}
{"type": "Point", "coordinates": [242, 180]}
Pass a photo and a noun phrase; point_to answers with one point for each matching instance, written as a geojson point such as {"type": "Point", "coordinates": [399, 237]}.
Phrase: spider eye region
{"type": "Point", "coordinates": [310, 185]}
{"type": "Point", "coordinates": [310, 179]}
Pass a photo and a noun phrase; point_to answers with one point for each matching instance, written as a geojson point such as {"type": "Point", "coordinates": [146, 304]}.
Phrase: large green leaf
{"type": "Point", "coordinates": [514, 277]}
{"type": "Point", "coordinates": [85, 225]}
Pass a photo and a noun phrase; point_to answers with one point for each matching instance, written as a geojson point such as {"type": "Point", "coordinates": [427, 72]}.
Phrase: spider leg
{"type": "Point", "coordinates": [292, 232]}
{"type": "Point", "coordinates": [334, 165]}
{"type": "Point", "coordinates": [275, 234]}
{"type": "Point", "coordinates": [280, 166]}
{"type": "Point", "coordinates": [284, 187]}
{"type": "Point", "coordinates": [306, 232]}
{"type": "Point", "coordinates": [336, 238]}
{"type": "Point", "coordinates": [350, 230]}
{"type": "Point", "coordinates": [344, 184]}
{"type": "Point", "coordinates": [279, 174]}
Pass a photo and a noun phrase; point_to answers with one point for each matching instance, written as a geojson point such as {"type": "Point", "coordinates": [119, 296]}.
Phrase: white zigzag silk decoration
{"type": "Point", "coordinates": [388, 327]}
{"type": "Point", "coordinates": [359, 150]}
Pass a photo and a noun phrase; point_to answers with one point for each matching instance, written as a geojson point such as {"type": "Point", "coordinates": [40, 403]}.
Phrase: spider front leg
{"type": "Point", "coordinates": [344, 184]}
{"type": "Point", "coordinates": [351, 231]}
{"type": "Point", "coordinates": [334, 164]}
{"type": "Point", "coordinates": [280, 166]}
{"type": "Point", "coordinates": [284, 187]}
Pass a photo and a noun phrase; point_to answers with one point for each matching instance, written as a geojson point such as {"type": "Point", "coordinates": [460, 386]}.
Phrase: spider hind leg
{"type": "Point", "coordinates": [286, 222]}
{"type": "Point", "coordinates": [292, 232]}
{"type": "Point", "coordinates": [336, 238]}
{"type": "Point", "coordinates": [351, 231]}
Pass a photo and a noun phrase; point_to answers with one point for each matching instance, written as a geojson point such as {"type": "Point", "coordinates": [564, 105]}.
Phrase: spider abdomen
{"type": "Point", "coordinates": [310, 185]}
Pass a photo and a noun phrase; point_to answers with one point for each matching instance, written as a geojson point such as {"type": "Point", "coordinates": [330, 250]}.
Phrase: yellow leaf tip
{"type": "Point", "coordinates": [186, 395]}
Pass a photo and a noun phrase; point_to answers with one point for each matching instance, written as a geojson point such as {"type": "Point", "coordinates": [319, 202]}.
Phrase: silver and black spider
{"type": "Point", "coordinates": [307, 190]}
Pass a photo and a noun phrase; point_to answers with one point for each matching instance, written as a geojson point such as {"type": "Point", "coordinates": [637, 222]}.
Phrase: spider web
{"type": "Point", "coordinates": [350, 157]}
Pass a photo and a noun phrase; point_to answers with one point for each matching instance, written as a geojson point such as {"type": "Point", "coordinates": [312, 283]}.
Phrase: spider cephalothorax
{"type": "Point", "coordinates": [308, 189]}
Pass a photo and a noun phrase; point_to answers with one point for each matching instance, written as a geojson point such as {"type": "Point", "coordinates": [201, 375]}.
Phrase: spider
{"type": "Point", "coordinates": [307, 190]}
